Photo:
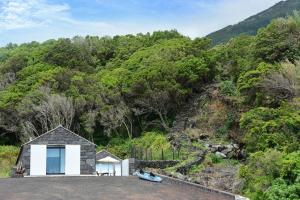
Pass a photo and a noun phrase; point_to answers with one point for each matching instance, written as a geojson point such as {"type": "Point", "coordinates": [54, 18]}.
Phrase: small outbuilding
{"type": "Point", "coordinates": [58, 152]}
{"type": "Point", "coordinates": [108, 164]}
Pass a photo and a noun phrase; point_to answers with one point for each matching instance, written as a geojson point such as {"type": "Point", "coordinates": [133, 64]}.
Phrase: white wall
{"type": "Point", "coordinates": [72, 162]}
{"type": "Point", "coordinates": [38, 156]}
{"type": "Point", "coordinates": [109, 168]}
{"type": "Point", "coordinates": [125, 167]}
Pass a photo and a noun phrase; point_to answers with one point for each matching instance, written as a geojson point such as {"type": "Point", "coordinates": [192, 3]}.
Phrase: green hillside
{"type": "Point", "coordinates": [129, 91]}
{"type": "Point", "coordinates": [252, 24]}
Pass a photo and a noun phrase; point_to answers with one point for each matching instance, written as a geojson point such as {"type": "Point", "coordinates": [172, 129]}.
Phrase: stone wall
{"type": "Point", "coordinates": [87, 159]}
{"type": "Point", "coordinates": [24, 160]}
{"type": "Point", "coordinates": [158, 164]}
{"type": "Point", "coordinates": [135, 164]}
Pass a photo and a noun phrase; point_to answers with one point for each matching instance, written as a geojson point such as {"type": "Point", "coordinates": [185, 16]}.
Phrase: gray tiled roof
{"type": "Point", "coordinates": [103, 153]}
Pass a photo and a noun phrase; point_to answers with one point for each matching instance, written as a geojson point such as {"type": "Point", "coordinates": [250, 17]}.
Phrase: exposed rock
{"type": "Point", "coordinates": [237, 197]}
{"type": "Point", "coordinates": [238, 185]}
{"type": "Point", "coordinates": [222, 178]}
{"type": "Point", "coordinates": [221, 155]}
{"type": "Point", "coordinates": [213, 149]}
{"type": "Point", "coordinates": [203, 136]}
{"type": "Point", "coordinates": [230, 147]}
{"type": "Point", "coordinates": [226, 152]}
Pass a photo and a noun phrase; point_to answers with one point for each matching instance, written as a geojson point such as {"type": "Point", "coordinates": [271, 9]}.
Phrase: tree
{"type": "Point", "coordinates": [249, 83]}
{"type": "Point", "coordinates": [279, 41]}
{"type": "Point", "coordinates": [157, 102]}
{"type": "Point", "coordinates": [272, 128]}
{"type": "Point", "coordinates": [53, 110]}
{"type": "Point", "coordinates": [114, 116]}
{"type": "Point", "coordinates": [283, 84]}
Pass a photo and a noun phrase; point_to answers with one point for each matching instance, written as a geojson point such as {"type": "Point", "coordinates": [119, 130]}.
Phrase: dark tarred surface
{"type": "Point", "coordinates": [102, 188]}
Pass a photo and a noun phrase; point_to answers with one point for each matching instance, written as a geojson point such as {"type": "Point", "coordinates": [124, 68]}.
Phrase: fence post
{"type": "Point", "coordinates": [146, 154]}
{"type": "Point", "coordinates": [162, 154]}
{"type": "Point", "coordinates": [173, 154]}
{"type": "Point", "coordinates": [134, 151]}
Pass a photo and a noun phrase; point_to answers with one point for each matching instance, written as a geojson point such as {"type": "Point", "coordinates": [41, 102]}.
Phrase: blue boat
{"type": "Point", "coordinates": [149, 176]}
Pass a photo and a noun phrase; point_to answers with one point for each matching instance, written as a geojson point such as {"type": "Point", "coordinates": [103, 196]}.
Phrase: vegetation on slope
{"type": "Point", "coordinates": [127, 90]}
{"type": "Point", "coordinates": [8, 156]}
{"type": "Point", "coordinates": [251, 25]}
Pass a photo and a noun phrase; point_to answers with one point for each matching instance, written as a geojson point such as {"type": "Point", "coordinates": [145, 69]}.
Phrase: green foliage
{"type": "Point", "coordinates": [228, 88]}
{"type": "Point", "coordinates": [279, 41]}
{"type": "Point", "coordinates": [154, 142]}
{"type": "Point", "coordinates": [8, 156]}
{"type": "Point", "coordinates": [30, 79]}
{"type": "Point", "coordinates": [272, 128]}
{"type": "Point", "coordinates": [125, 92]}
{"type": "Point", "coordinates": [120, 147]}
{"type": "Point", "coordinates": [249, 83]}
{"type": "Point", "coordinates": [215, 159]}
{"type": "Point", "coordinates": [253, 23]}
{"type": "Point", "coordinates": [281, 190]}
{"type": "Point", "coordinates": [272, 175]}
{"type": "Point", "coordinates": [196, 169]}
{"type": "Point", "coordinates": [223, 130]}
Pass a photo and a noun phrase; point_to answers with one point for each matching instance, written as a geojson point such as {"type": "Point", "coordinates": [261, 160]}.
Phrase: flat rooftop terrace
{"type": "Point", "coordinates": [102, 188]}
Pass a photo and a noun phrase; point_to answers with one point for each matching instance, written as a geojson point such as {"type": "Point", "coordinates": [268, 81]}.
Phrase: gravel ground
{"type": "Point", "coordinates": [94, 188]}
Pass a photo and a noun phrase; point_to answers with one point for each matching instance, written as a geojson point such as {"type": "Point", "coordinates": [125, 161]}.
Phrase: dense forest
{"type": "Point", "coordinates": [251, 25]}
{"type": "Point", "coordinates": [123, 88]}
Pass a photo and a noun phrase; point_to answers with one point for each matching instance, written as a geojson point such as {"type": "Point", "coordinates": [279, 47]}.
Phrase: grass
{"type": "Point", "coordinates": [8, 156]}
{"type": "Point", "coordinates": [149, 145]}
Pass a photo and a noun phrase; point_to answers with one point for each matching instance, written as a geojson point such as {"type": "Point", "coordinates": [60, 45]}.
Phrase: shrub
{"type": "Point", "coordinates": [228, 88]}
{"type": "Point", "coordinates": [272, 128]}
{"type": "Point", "coordinates": [8, 156]}
{"type": "Point", "coordinates": [272, 175]}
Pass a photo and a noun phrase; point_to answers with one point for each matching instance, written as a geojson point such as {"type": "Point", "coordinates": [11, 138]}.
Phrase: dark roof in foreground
{"type": "Point", "coordinates": [102, 187]}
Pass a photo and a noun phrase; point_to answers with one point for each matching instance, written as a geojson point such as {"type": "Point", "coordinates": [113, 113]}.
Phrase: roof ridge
{"type": "Point", "coordinates": [76, 134]}
{"type": "Point", "coordinates": [59, 126]}
{"type": "Point", "coordinates": [109, 153]}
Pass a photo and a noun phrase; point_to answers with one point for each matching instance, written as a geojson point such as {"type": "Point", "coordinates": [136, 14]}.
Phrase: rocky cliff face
{"type": "Point", "coordinates": [202, 128]}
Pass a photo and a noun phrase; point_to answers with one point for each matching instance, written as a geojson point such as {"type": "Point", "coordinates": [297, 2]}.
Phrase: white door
{"type": "Point", "coordinates": [38, 155]}
{"type": "Point", "coordinates": [125, 167]}
{"type": "Point", "coordinates": [118, 169]}
{"type": "Point", "coordinates": [72, 162]}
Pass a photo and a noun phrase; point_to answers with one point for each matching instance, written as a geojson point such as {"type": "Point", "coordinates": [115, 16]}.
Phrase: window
{"type": "Point", "coordinates": [55, 160]}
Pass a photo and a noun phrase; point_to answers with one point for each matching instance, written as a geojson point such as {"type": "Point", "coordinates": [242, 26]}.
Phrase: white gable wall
{"type": "Point", "coordinates": [38, 156]}
{"type": "Point", "coordinates": [72, 162]}
{"type": "Point", "coordinates": [109, 168]}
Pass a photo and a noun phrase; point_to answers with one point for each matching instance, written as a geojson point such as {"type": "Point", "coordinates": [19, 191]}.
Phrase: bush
{"type": "Point", "coordinates": [272, 175]}
{"type": "Point", "coordinates": [281, 190]}
{"type": "Point", "coordinates": [154, 142]}
{"type": "Point", "coordinates": [228, 88]}
{"type": "Point", "coordinates": [8, 156]}
{"type": "Point", "coordinates": [272, 128]}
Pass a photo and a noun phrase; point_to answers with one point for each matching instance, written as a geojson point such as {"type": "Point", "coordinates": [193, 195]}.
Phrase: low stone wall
{"type": "Point", "coordinates": [135, 164]}
{"type": "Point", "coordinates": [158, 164]}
